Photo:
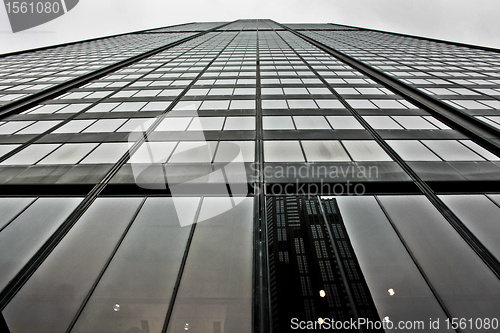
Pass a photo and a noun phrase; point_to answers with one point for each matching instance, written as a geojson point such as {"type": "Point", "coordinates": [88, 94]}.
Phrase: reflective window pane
{"type": "Point", "coordinates": [142, 274]}
{"type": "Point", "coordinates": [277, 123]}
{"type": "Point", "coordinates": [466, 285]}
{"type": "Point", "coordinates": [206, 124]}
{"type": "Point", "coordinates": [22, 238]}
{"type": "Point", "coordinates": [247, 149]}
{"type": "Point", "coordinates": [412, 150]}
{"type": "Point", "coordinates": [173, 124]}
{"type": "Point", "coordinates": [30, 154]}
{"type": "Point", "coordinates": [451, 150]}
{"type": "Point", "coordinates": [69, 153]}
{"type": "Point", "coordinates": [382, 122]}
{"type": "Point", "coordinates": [325, 151]}
{"type": "Point", "coordinates": [10, 207]}
{"type": "Point", "coordinates": [193, 152]}
{"type": "Point", "coordinates": [106, 153]}
{"type": "Point", "coordinates": [74, 126]}
{"type": "Point", "coordinates": [221, 296]}
{"type": "Point", "coordinates": [344, 122]}
{"type": "Point", "coordinates": [310, 122]}
{"type": "Point", "coordinates": [57, 289]}
{"type": "Point", "coordinates": [480, 216]}
{"type": "Point", "coordinates": [366, 151]}
{"type": "Point", "coordinates": [283, 151]}
{"type": "Point", "coordinates": [104, 125]}
{"type": "Point", "coordinates": [153, 152]}
{"type": "Point", "coordinates": [386, 264]}
{"type": "Point", "coordinates": [239, 124]}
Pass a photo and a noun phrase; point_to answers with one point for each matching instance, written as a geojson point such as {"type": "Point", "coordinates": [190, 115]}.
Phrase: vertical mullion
{"type": "Point", "coordinates": [261, 275]}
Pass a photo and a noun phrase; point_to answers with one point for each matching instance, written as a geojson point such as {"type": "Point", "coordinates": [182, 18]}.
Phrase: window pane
{"type": "Point", "coordinates": [206, 124]}
{"type": "Point", "coordinates": [366, 151]}
{"type": "Point", "coordinates": [382, 122]}
{"type": "Point", "coordinates": [216, 287]}
{"type": "Point", "coordinates": [325, 151]}
{"type": "Point", "coordinates": [142, 275]}
{"type": "Point", "coordinates": [214, 105]}
{"type": "Point", "coordinates": [193, 152]}
{"type": "Point", "coordinates": [444, 256]}
{"type": "Point", "coordinates": [412, 150]}
{"type": "Point", "coordinates": [38, 127]}
{"type": "Point", "coordinates": [14, 126]}
{"type": "Point", "coordinates": [344, 122]}
{"type": "Point", "coordinates": [4, 149]}
{"type": "Point", "coordinates": [57, 289]}
{"type": "Point", "coordinates": [247, 151]}
{"type": "Point", "coordinates": [22, 238]}
{"type": "Point", "coordinates": [302, 104]}
{"type": "Point", "coordinates": [388, 104]}
{"type": "Point", "coordinates": [242, 104]}
{"type": "Point", "coordinates": [329, 104]}
{"type": "Point", "coordinates": [414, 122]}
{"type": "Point", "coordinates": [104, 125]}
{"type": "Point", "coordinates": [129, 106]}
{"type": "Point", "coordinates": [451, 150]}
{"type": "Point", "coordinates": [136, 125]}
{"type": "Point", "coordinates": [106, 153]}
{"type": "Point", "coordinates": [74, 126]}
{"type": "Point", "coordinates": [173, 124]}
{"type": "Point", "coordinates": [311, 122]}
{"type": "Point", "coordinates": [30, 154]}
{"type": "Point", "coordinates": [386, 264]}
{"type": "Point", "coordinates": [361, 104]}
{"type": "Point", "coordinates": [277, 123]}
{"type": "Point", "coordinates": [69, 153]}
{"type": "Point", "coordinates": [10, 207]}
{"type": "Point", "coordinates": [153, 152]}
{"type": "Point", "coordinates": [480, 216]}
{"type": "Point", "coordinates": [282, 151]}
{"type": "Point", "coordinates": [274, 104]}
{"type": "Point", "coordinates": [480, 150]}
{"type": "Point", "coordinates": [239, 124]}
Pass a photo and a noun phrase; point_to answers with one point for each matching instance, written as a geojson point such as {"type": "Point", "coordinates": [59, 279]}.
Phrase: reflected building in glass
{"type": "Point", "coordinates": [250, 176]}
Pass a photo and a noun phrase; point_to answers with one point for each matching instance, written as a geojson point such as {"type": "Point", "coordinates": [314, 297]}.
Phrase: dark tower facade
{"type": "Point", "coordinates": [250, 176]}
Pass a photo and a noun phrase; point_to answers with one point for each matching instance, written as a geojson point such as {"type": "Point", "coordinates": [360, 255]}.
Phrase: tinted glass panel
{"type": "Point", "coordinates": [366, 151]}
{"type": "Point", "coordinates": [216, 287]}
{"type": "Point", "coordinates": [480, 215]}
{"type": "Point", "coordinates": [56, 290]}
{"type": "Point", "coordinates": [20, 240]}
{"type": "Point", "coordinates": [138, 283]}
{"type": "Point", "coordinates": [386, 264]}
{"type": "Point", "coordinates": [30, 154]}
{"type": "Point", "coordinates": [69, 153]}
{"type": "Point", "coordinates": [323, 151]}
{"type": "Point", "coordinates": [412, 150]}
{"type": "Point", "coordinates": [445, 256]}
{"type": "Point", "coordinates": [283, 151]}
{"type": "Point", "coordinates": [10, 207]}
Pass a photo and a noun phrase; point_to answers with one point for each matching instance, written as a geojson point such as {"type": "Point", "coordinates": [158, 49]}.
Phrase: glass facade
{"type": "Point", "coordinates": [250, 176]}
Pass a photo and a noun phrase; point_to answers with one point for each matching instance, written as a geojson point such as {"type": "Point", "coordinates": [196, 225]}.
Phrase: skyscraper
{"type": "Point", "coordinates": [250, 176]}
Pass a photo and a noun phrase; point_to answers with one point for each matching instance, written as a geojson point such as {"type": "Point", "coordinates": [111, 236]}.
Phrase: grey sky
{"type": "Point", "coordinates": [467, 21]}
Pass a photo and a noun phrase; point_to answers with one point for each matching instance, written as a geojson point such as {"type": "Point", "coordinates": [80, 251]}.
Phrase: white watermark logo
{"type": "Point", "coordinates": [183, 166]}
{"type": "Point", "coordinates": [177, 157]}
{"type": "Point", "coordinates": [31, 13]}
